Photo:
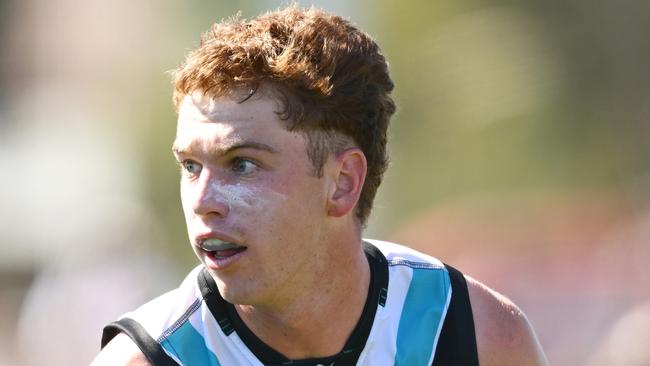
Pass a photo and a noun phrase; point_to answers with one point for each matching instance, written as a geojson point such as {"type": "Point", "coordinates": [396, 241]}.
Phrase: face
{"type": "Point", "coordinates": [253, 207]}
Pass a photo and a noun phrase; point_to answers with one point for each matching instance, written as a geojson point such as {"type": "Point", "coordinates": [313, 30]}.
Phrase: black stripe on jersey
{"type": "Point", "coordinates": [230, 321]}
{"type": "Point", "coordinates": [215, 302]}
{"type": "Point", "coordinates": [457, 342]}
{"type": "Point", "coordinates": [151, 349]}
{"type": "Point", "coordinates": [379, 267]}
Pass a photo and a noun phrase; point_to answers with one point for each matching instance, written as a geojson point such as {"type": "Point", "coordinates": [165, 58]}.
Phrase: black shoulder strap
{"type": "Point", "coordinates": [151, 349]}
{"type": "Point", "coordinates": [457, 342]}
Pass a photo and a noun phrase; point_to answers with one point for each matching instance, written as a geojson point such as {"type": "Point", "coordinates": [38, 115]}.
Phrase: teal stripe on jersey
{"type": "Point", "coordinates": [424, 306]}
{"type": "Point", "coordinates": [188, 345]}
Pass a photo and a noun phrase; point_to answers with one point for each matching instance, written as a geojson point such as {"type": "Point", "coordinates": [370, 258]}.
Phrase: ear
{"type": "Point", "coordinates": [348, 173]}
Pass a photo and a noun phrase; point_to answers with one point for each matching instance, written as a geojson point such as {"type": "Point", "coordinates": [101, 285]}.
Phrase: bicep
{"type": "Point", "coordinates": [504, 336]}
{"type": "Point", "coordinates": [121, 351]}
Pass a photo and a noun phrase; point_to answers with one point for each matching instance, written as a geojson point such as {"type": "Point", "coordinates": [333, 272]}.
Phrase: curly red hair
{"type": "Point", "coordinates": [331, 79]}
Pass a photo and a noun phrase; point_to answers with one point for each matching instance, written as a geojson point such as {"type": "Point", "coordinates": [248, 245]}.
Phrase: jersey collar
{"type": "Point", "coordinates": [230, 322]}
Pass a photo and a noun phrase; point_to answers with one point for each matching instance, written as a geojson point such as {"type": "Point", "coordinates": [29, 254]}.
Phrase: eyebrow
{"type": "Point", "coordinates": [229, 148]}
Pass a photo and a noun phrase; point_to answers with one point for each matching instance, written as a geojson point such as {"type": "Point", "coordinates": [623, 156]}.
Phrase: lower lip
{"type": "Point", "coordinates": [216, 263]}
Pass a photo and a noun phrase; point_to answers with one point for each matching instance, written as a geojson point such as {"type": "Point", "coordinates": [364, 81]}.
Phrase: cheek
{"type": "Point", "coordinates": [288, 217]}
{"type": "Point", "coordinates": [254, 207]}
{"type": "Point", "coordinates": [264, 207]}
{"type": "Point", "coordinates": [238, 197]}
{"type": "Point", "coordinates": [298, 184]}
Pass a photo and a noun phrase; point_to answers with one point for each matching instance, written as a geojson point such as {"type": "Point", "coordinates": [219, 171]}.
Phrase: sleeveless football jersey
{"type": "Point", "coordinates": [417, 312]}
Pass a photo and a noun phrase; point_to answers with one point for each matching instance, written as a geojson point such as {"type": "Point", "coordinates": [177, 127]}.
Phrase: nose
{"type": "Point", "coordinates": [210, 197]}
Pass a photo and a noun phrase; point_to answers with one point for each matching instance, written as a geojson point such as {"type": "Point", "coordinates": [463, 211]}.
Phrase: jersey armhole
{"type": "Point", "coordinates": [457, 343]}
{"type": "Point", "coordinates": [149, 347]}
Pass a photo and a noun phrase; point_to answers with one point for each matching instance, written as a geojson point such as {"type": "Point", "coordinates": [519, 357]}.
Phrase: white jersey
{"type": "Point", "coordinates": [401, 324]}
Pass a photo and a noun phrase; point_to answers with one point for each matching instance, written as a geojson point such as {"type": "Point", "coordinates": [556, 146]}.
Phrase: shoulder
{"type": "Point", "coordinates": [121, 351]}
{"type": "Point", "coordinates": [157, 315]}
{"type": "Point", "coordinates": [149, 320]}
{"type": "Point", "coordinates": [504, 335]}
{"type": "Point", "coordinates": [399, 254]}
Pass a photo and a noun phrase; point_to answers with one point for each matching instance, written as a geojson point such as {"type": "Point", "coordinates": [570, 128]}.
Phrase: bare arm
{"type": "Point", "coordinates": [503, 334]}
{"type": "Point", "coordinates": [121, 351]}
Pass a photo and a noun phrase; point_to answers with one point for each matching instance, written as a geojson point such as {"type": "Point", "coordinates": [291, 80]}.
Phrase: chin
{"type": "Point", "coordinates": [238, 297]}
{"type": "Point", "coordinates": [233, 293]}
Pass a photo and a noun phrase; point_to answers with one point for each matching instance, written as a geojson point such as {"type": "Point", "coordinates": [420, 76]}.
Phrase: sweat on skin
{"type": "Point", "coordinates": [239, 199]}
{"type": "Point", "coordinates": [236, 198]}
{"type": "Point", "coordinates": [240, 166]}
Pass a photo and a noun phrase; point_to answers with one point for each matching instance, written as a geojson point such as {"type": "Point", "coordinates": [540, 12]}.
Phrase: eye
{"type": "Point", "coordinates": [243, 166]}
{"type": "Point", "coordinates": [191, 168]}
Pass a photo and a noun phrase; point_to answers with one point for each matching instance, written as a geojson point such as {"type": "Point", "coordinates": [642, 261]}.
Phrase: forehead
{"type": "Point", "coordinates": [201, 108]}
{"type": "Point", "coordinates": [224, 119]}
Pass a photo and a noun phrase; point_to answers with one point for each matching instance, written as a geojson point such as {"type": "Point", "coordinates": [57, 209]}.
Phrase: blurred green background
{"type": "Point", "coordinates": [520, 153]}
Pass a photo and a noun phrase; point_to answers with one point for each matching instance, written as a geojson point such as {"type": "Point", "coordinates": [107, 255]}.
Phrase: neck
{"type": "Point", "coordinates": [331, 298]}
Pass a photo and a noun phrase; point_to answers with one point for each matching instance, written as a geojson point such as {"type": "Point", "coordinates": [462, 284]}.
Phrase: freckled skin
{"type": "Point", "coordinates": [276, 211]}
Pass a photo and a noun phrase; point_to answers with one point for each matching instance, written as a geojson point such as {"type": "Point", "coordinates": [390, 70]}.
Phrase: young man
{"type": "Point", "coordinates": [281, 142]}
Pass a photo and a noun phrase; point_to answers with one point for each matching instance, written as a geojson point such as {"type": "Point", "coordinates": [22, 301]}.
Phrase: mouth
{"type": "Point", "coordinates": [219, 249]}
